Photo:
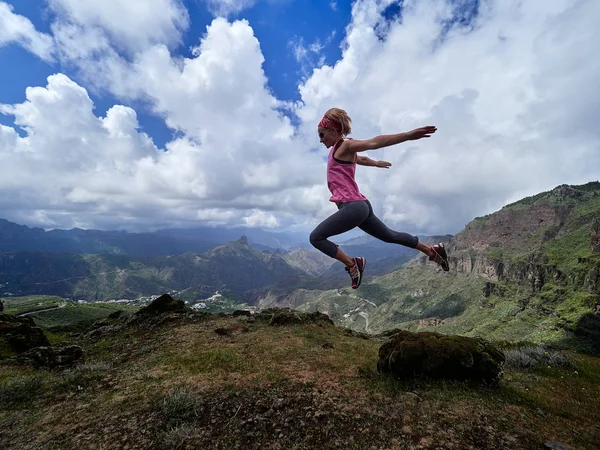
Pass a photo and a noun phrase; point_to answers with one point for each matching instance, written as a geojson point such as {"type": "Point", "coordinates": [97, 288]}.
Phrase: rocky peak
{"type": "Point", "coordinates": [243, 240]}
{"type": "Point", "coordinates": [565, 191]}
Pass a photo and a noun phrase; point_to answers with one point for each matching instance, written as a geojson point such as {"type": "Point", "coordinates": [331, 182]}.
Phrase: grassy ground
{"type": "Point", "coordinates": [15, 305]}
{"type": "Point", "coordinates": [74, 316]}
{"type": "Point", "coordinates": [293, 387]}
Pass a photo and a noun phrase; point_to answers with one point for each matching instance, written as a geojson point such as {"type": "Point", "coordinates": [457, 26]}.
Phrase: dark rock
{"type": "Point", "coordinates": [163, 304]}
{"type": "Point", "coordinates": [433, 355]}
{"type": "Point", "coordinates": [327, 345]}
{"type": "Point", "coordinates": [52, 358]}
{"type": "Point", "coordinates": [241, 312]}
{"type": "Point", "coordinates": [231, 330]}
{"type": "Point", "coordinates": [20, 333]}
{"type": "Point", "coordinates": [25, 337]}
{"type": "Point", "coordinates": [286, 316]}
{"type": "Point", "coordinates": [223, 331]}
{"type": "Point", "coordinates": [389, 333]}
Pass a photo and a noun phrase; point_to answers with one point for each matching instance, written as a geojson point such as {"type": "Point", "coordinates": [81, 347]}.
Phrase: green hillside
{"type": "Point", "coordinates": [219, 381]}
{"type": "Point", "coordinates": [235, 269]}
{"type": "Point", "coordinates": [529, 272]}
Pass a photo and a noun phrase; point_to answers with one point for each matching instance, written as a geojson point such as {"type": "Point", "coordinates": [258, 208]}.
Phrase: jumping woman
{"type": "Point", "coordinates": [354, 210]}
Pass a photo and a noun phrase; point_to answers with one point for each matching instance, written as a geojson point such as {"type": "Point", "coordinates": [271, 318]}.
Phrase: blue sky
{"type": "Point", "coordinates": [279, 26]}
{"type": "Point", "coordinates": [164, 113]}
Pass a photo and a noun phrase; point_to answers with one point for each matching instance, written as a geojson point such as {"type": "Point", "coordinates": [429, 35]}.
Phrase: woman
{"type": "Point", "coordinates": [354, 210]}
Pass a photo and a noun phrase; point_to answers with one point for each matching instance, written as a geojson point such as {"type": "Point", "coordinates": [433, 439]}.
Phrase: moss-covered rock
{"type": "Point", "coordinates": [20, 333]}
{"type": "Point", "coordinates": [163, 304]}
{"type": "Point", "coordinates": [51, 357]}
{"type": "Point", "coordinates": [287, 316]}
{"type": "Point", "coordinates": [432, 355]}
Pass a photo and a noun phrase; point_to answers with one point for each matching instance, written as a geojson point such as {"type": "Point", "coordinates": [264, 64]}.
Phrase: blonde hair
{"type": "Point", "coordinates": [342, 118]}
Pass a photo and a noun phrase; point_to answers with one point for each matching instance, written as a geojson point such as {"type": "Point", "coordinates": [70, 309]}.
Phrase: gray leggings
{"type": "Point", "coordinates": [356, 214]}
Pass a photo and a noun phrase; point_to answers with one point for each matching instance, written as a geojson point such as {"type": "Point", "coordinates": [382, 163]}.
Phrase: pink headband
{"type": "Point", "coordinates": [327, 123]}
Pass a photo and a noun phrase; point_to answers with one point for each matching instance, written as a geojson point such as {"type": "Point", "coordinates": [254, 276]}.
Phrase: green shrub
{"type": "Point", "coordinates": [178, 405]}
{"type": "Point", "coordinates": [83, 377]}
{"type": "Point", "coordinates": [530, 358]}
{"type": "Point", "coordinates": [177, 437]}
{"type": "Point", "coordinates": [21, 390]}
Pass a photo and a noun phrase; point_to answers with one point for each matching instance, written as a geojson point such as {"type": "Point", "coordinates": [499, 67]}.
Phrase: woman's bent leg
{"type": "Point", "coordinates": [346, 218]}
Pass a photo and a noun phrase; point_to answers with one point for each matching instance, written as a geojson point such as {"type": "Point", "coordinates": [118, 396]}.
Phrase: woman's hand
{"type": "Point", "coordinates": [383, 164]}
{"type": "Point", "coordinates": [419, 133]}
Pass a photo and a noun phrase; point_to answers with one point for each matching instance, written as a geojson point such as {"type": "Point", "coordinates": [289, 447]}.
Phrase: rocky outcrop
{"type": "Point", "coordinates": [286, 316]}
{"type": "Point", "coordinates": [595, 238]}
{"type": "Point", "coordinates": [52, 358]}
{"type": "Point", "coordinates": [20, 333]}
{"type": "Point", "coordinates": [432, 355]}
{"type": "Point", "coordinates": [493, 289]}
{"type": "Point", "coordinates": [163, 304]}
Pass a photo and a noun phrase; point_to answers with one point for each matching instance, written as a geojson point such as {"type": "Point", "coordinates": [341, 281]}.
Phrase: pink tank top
{"type": "Point", "coordinates": [340, 179]}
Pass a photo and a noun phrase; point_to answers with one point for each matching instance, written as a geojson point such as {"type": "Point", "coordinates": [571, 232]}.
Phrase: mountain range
{"type": "Point", "coordinates": [15, 237]}
{"type": "Point", "coordinates": [529, 271]}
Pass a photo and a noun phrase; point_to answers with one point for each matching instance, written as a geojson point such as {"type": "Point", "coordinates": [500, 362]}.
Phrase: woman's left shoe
{"type": "Point", "coordinates": [356, 271]}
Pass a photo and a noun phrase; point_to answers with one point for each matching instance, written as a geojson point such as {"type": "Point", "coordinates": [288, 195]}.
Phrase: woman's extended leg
{"type": "Point", "coordinates": [376, 228]}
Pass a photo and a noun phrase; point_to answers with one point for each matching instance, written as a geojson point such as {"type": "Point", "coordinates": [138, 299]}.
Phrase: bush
{"type": "Point", "coordinates": [530, 358]}
{"type": "Point", "coordinates": [20, 391]}
{"type": "Point", "coordinates": [84, 376]}
{"type": "Point", "coordinates": [177, 437]}
{"type": "Point", "coordinates": [178, 405]}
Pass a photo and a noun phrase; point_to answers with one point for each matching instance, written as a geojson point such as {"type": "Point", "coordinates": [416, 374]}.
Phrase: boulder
{"type": "Point", "coordinates": [51, 357]}
{"type": "Point", "coordinates": [409, 355]}
{"type": "Point", "coordinates": [287, 316]}
{"type": "Point", "coordinates": [163, 304]}
{"type": "Point", "coordinates": [20, 333]}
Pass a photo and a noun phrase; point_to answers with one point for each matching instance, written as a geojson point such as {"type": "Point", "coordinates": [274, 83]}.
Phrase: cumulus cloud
{"type": "Point", "coordinates": [502, 81]}
{"type": "Point", "coordinates": [19, 29]}
{"type": "Point", "coordinates": [504, 88]}
{"type": "Point", "coordinates": [236, 161]}
{"type": "Point", "coordinates": [130, 26]}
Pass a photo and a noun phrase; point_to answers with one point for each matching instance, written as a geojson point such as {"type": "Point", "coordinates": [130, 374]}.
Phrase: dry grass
{"type": "Point", "coordinates": [302, 386]}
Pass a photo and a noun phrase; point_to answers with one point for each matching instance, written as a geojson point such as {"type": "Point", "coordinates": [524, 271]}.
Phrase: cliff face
{"type": "Point", "coordinates": [537, 260]}
{"type": "Point", "coordinates": [551, 237]}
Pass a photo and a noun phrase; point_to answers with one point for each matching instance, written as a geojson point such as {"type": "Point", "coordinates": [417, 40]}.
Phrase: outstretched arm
{"type": "Point", "coordinates": [355, 146]}
{"type": "Point", "coordinates": [364, 161]}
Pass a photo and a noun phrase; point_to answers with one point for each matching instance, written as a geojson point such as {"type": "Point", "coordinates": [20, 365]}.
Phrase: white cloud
{"type": "Point", "coordinates": [16, 28]}
{"type": "Point", "coordinates": [261, 219]}
{"type": "Point", "coordinates": [311, 55]}
{"type": "Point", "coordinates": [130, 26]}
{"type": "Point", "coordinates": [225, 8]}
{"type": "Point", "coordinates": [507, 99]}
{"type": "Point", "coordinates": [237, 160]}
{"type": "Point", "coordinates": [506, 95]}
